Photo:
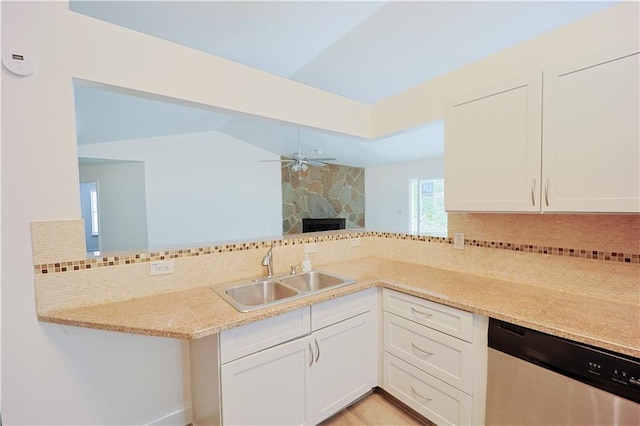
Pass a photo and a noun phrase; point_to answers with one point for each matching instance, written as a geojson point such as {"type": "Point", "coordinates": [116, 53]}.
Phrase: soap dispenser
{"type": "Point", "coordinates": [306, 263]}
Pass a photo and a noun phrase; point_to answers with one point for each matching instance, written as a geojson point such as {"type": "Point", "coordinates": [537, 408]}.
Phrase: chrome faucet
{"type": "Point", "coordinates": [267, 261]}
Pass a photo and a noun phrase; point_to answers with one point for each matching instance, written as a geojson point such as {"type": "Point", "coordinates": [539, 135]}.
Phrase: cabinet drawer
{"type": "Point", "coordinates": [256, 336]}
{"type": "Point", "coordinates": [437, 401]}
{"type": "Point", "coordinates": [451, 321]}
{"type": "Point", "coordinates": [445, 357]}
{"type": "Point", "coordinates": [345, 307]}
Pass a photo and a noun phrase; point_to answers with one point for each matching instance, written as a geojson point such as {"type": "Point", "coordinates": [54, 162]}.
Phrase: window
{"type": "Point", "coordinates": [94, 211]}
{"type": "Point", "coordinates": [427, 207]}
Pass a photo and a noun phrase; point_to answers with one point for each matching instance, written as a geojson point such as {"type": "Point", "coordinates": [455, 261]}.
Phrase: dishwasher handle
{"type": "Point", "coordinates": [529, 345]}
{"type": "Point", "coordinates": [507, 338]}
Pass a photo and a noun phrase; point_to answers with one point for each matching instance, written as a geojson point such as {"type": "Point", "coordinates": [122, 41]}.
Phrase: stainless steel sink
{"type": "Point", "coordinates": [248, 296]}
{"type": "Point", "coordinates": [251, 295]}
{"type": "Point", "coordinates": [314, 281]}
{"type": "Point", "coordinates": [260, 293]}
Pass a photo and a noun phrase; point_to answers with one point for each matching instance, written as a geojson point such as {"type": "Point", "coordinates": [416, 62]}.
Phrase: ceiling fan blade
{"type": "Point", "coordinates": [322, 159]}
{"type": "Point", "coordinates": [278, 161]}
{"type": "Point", "coordinates": [298, 161]}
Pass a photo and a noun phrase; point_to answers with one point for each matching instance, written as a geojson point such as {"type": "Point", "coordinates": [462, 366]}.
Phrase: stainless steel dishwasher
{"type": "Point", "coordinates": [534, 378]}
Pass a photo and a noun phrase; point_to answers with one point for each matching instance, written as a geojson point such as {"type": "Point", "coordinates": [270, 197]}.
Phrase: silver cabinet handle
{"type": "Point", "coordinates": [533, 198]}
{"type": "Point", "coordinates": [318, 349]}
{"type": "Point", "coordinates": [546, 193]}
{"type": "Point", "coordinates": [425, 314]}
{"type": "Point", "coordinates": [311, 353]}
{"type": "Point", "coordinates": [417, 348]}
{"type": "Point", "coordinates": [420, 396]}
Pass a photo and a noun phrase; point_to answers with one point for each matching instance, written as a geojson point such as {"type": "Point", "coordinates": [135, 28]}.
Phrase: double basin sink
{"type": "Point", "coordinates": [251, 295]}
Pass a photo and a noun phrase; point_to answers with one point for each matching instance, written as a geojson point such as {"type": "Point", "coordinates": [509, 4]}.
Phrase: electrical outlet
{"type": "Point", "coordinates": [355, 242]}
{"type": "Point", "coordinates": [310, 248]}
{"type": "Point", "coordinates": [161, 268]}
{"type": "Point", "coordinates": [458, 241]}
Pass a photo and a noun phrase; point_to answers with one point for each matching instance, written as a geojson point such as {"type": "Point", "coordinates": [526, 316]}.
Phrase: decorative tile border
{"type": "Point", "coordinates": [76, 265]}
{"type": "Point", "coordinates": [559, 251]}
{"type": "Point", "coordinates": [127, 259]}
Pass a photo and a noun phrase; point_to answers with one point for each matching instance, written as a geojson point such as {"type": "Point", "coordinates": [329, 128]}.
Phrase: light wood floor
{"type": "Point", "coordinates": [373, 409]}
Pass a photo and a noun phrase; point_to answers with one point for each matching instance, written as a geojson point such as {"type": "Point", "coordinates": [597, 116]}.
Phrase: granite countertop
{"type": "Point", "coordinates": [199, 312]}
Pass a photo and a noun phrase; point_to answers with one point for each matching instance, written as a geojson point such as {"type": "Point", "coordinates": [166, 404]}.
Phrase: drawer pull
{"type": "Point", "coordinates": [310, 355]}
{"type": "Point", "coordinates": [318, 349]}
{"type": "Point", "coordinates": [417, 348]}
{"type": "Point", "coordinates": [415, 392]}
{"type": "Point", "coordinates": [424, 314]}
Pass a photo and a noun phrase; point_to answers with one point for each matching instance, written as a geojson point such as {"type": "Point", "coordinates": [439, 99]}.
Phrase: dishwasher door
{"type": "Point", "coordinates": [521, 393]}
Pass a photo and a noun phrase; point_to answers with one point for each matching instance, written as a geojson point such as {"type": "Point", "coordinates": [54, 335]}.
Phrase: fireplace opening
{"type": "Point", "coordinates": [325, 224]}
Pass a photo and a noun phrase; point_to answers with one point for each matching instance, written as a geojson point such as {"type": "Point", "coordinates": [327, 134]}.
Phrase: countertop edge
{"type": "Point", "coordinates": [69, 317]}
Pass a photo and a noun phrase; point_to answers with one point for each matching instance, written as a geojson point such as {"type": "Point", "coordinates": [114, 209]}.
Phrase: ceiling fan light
{"type": "Point", "coordinates": [295, 167]}
{"type": "Point", "coordinates": [304, 167]}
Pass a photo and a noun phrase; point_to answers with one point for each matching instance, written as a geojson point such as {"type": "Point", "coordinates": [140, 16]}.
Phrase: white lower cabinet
{"type": "Point", "coordinates": [435, 359]}
{"type": "Point", "coordinates": [306, 365]}
{"type": "Point", "coordinates": [266, 388]}
{"type": "Point", "coordinates": [342, 367]}
{"type": "Point", "coordinates": [302, 377]}
{"type": "Point", "coordinates": [300, 382]}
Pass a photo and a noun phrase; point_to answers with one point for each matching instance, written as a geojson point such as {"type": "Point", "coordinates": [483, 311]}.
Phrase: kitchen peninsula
{"type": "Point", "coordinates": [199, 312]}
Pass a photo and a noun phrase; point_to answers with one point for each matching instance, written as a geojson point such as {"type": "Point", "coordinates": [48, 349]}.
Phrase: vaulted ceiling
{"type": "Point", "coordinates": [362, 50]}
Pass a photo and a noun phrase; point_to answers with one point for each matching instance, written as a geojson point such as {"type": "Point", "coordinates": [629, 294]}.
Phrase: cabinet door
{"type": "Point", "coordinates": [493, 148]}
{"type": "Point", "coordinates": [343, 367]}
{"type": "Point", "coordinates": [268, 387]}
{"type": "Point", "coordinates": [591, 133]}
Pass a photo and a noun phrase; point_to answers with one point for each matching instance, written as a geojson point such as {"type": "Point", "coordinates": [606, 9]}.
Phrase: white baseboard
{"type": "Point", "coordinates": [181, 417]}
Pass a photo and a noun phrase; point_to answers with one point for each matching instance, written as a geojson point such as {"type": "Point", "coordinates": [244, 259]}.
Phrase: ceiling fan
{"type": "Point", "coordinates": [298, 161]}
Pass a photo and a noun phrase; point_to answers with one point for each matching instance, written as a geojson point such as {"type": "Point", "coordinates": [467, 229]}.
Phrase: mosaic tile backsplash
{"type": "Point", "coordinates": [608, 267]}
{"type": "Point", "coordinates": [153, 256]}
{"type": "Point", "coordinates": [75, 265]}
{"type": "Point", "coordinates": [600, 233]}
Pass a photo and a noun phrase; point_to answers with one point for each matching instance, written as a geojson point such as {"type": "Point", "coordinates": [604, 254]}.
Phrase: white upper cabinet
{"type": "Point", "coordinates": [569, 145]}
{"type": "Point", "coordinates": [591, 151]}
{"type": "Point", "coordinates": [492, 149]}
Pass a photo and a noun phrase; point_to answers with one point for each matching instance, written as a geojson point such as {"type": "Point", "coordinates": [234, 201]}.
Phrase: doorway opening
{"type": "Point", "coordinates": [90, 215]}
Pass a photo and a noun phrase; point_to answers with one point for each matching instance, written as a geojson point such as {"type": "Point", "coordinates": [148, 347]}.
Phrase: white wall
{"type": "Point", "coordinates": [121, 204]}
{"type": "Point", "coordinates": [203, 187]}
{"type": "Point", "coordinates": [95, 377]}
{"type": "Point", "coordinates": [0, 261]}
{"type": "Point", "coordinates": [387, 192]}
